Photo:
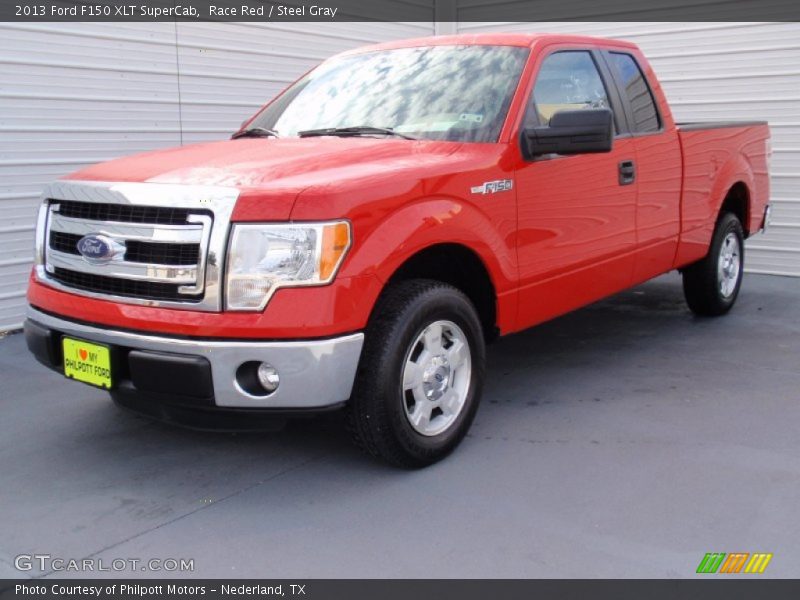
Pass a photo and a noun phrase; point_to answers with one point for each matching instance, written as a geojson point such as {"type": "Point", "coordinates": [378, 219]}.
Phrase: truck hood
{"type": "Point", "coordinates": [322, 177]}
{"type": "Point", "coordinates": [291, 164]}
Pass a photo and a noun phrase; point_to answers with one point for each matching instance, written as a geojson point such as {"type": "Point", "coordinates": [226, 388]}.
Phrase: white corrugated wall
{"type": "Point", "coordinates": [72, 94]}
{"type": "Point", "coordinates": [722, 71]}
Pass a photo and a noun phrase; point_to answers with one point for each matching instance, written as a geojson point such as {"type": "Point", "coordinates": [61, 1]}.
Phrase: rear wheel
{"type": "Point", "coordinates": [711, 285]}
{"type": "Point", "coordinates": [420, 376]}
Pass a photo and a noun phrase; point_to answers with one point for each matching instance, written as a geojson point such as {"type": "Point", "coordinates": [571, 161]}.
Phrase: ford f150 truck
{"type": "Point", "coordinates": [360, 239]}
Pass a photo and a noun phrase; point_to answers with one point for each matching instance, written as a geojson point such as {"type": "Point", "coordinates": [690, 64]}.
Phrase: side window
{"type": "Point", "coordinates": [567, 80]}
{"type": "Point", "coordinates": [634, 86]}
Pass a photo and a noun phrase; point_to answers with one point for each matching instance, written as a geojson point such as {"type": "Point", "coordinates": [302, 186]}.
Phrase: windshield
{"type": "Point", "coordinates": [454, 93]}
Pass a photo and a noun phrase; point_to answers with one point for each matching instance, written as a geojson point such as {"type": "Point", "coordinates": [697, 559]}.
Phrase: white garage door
{"type": "Point", "coordinates": [724, 71]}
{"type": "Point", "coordinates": [72, 94]}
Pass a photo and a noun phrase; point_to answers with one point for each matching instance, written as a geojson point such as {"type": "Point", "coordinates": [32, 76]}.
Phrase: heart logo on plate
{"type": "Point", "coordinates": [83, 353]}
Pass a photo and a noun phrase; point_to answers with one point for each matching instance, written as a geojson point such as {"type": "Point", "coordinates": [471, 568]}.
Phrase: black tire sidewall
{"type": "Point", "coordinates": [728, 224]}
{"type": "Point", "coordinates": [440, 303]}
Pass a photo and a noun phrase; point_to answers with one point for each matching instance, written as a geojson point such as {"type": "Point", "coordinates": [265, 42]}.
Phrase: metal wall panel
{"type": "Point", "coordinates": [721, 71]}
{"type": "Point", "coordinates": [227, 73]}
{"type": "Point", "coordinates": [76, 93]}
{"type": "Point", "coordinates": [72, 94]}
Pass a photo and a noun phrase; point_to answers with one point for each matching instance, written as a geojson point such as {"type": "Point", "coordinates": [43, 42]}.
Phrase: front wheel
{"type": "Point", "coordinates": [711, 285]}
{"type": "Point", "coordinates": [421, 374]}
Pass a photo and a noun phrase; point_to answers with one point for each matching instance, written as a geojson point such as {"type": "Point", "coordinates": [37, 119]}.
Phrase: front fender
{"type": "Point", "coordinates": [418, 225]}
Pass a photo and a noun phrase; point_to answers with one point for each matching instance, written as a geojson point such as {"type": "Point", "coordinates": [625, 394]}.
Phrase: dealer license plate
{"type": "Point", "coordinates": [87, 362]}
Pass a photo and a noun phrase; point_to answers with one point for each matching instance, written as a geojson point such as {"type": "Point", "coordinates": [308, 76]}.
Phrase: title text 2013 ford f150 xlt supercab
{"type": "Point", "coordinates": [360, 239]}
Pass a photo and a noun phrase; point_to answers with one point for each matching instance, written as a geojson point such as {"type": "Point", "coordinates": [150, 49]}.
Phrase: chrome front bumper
{"type": "Point", "coordinates": [313, 374]}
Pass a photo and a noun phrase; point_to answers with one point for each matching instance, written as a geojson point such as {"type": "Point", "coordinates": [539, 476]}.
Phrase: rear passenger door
{"type": "Point", "coordinates": [658, 166]}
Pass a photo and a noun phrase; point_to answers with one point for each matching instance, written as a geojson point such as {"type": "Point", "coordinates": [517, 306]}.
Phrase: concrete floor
{"type": "Point", "coordinates": [625, 440]}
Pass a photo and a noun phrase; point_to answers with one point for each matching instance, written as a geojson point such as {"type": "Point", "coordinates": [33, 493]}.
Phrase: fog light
{"type": "Point", "coordinates": [257, 379]}
{"type": "Point", "coordinates": [268, 377]}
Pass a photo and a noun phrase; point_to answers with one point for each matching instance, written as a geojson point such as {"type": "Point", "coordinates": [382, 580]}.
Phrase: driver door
{"type": "Point", "coordinates": [576, 214]}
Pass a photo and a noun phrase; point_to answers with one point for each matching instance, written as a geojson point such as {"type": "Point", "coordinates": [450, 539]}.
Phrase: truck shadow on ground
{"type": "Point", "coordinates": [607, 336]}
{"type": "Point", "coordinates": [603, 352]}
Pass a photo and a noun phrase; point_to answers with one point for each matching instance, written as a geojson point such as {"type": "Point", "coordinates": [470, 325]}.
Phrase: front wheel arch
{"type": "Point", "coordinates": [461, 267]}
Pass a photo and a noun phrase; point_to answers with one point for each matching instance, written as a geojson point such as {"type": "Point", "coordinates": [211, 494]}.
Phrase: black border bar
{"type": "Point", "coordinates": [399, 10]}
{"type": "Point", "coordinates": [711, 587]}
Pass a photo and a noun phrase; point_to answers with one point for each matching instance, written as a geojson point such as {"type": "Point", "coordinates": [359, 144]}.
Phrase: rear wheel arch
{"type": "Point", "coordinates": [737, 202]}
{"type": "Point", "coordinates": [732, 189]}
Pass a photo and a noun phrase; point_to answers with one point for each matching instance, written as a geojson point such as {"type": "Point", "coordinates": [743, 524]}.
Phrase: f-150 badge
{"type": "Point", "coordinates": [492, 187]}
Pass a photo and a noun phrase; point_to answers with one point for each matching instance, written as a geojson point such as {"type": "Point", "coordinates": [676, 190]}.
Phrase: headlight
{"type": "Point", "coordinates": [264, 257]}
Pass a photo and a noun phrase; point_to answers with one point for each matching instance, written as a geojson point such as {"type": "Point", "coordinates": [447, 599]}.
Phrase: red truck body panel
{"type": "Point", "coordinates": [714, 160]}
{"type": "Point", "coordinates": [565, 235]}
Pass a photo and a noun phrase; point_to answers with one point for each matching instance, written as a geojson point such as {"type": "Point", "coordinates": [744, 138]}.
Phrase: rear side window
{"type": "Point", "coordinates": [568, 80]}
{"type": "Point", "coordinates": [634, 86]}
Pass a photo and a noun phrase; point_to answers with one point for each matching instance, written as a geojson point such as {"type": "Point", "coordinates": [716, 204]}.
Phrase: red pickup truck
{"type": "Point", "coordinates": [359, 240]}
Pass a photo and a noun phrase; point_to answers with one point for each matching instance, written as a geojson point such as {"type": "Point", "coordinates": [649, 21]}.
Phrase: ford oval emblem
{"type": "Point", "coordinates": [96, 248]}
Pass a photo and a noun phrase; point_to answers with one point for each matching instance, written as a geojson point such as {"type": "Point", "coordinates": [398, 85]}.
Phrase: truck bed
{"type": "Point", "coordinates": [716, 155]}
{"type": "Point", "coordinates": [701, 125]}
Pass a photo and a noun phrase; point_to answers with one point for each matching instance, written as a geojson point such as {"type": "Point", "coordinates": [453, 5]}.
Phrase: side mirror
{"type": "Point", "coordinates": [571, 132]}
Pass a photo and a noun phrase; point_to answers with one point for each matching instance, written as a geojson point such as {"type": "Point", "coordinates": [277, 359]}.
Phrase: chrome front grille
{"type": "Point", "coordinates": [116, 286]}
{"type": "Point", "coordinates": [164, 253]}
{"type": "Point", "coordinates": [161, 244]}
{"type": "Point", "coordinates": [188, 280]}
{"type": "Point", "coordinates": [98, 211]}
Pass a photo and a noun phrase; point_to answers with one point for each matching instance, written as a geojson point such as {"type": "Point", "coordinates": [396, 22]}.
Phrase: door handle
{"type": "Point", "coordinates": [627, 172]}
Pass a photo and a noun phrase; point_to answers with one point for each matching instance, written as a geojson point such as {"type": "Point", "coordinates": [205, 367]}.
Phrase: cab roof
{"type": "Point", "coordinates": [525, 40]}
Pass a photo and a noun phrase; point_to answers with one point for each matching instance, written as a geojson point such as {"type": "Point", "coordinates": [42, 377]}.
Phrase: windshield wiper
{"type": "Point", "coordinates": [255, 132]}
{"type": "Point", "coordinates": [353, 131]}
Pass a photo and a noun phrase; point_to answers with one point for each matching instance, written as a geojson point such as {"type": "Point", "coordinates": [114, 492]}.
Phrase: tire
{"type": "Point", "coordinates": [712, 284]}
{"type": "Point", "coordinates": [423, 351]}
